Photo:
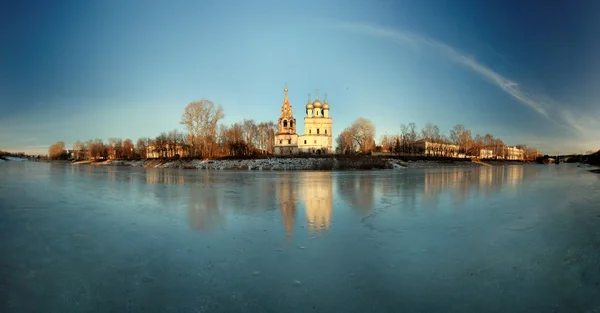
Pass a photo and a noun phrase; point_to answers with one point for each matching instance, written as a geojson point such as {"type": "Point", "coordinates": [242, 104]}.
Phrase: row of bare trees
{"type": "Point", "coordinates": [206, 137]}
{"type": "Point", "coordinates": [459, 135]}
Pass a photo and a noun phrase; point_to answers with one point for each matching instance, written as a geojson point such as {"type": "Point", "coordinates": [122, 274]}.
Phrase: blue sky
{"type": "Point", "coordinates": [523, 71]}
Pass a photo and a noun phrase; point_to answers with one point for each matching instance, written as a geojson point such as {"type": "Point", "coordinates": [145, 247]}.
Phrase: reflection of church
{"type": "Point", "coordinates": [316, 191]}
{"type": "Point", "coordinates": [287, 195]}
{"type": "Point", "coordinates": [318, 200]}
{"type": "Point", "coordinates": [317, 136]}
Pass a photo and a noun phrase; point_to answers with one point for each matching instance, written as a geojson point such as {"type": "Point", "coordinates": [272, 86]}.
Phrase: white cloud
{"type": "Point", "coordinates": [551, 110]}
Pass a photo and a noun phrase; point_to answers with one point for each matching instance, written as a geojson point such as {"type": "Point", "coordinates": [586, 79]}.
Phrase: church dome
{"type": "Point", "coordinates": [325, 106]}
{"type": "Point", "coordinates": [317, 104]}
{"type": "Point", "coordinates": [309, 106]}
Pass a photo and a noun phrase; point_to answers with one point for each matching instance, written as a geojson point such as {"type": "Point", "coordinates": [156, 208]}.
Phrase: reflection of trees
{"type": "Point", "coordinates": [485, 180]}
{"type": "Point", "coordinates": [204, 210]}
{"type": "Point", "coordinates": [111, 173]}
{"type": "Point", "coordinates": [318, 200]}
{"type": "Point", "coordinates": [287, 195]}
{"type": "Point", "coordinates": [160, 176]}
{"type": "Point", "coordinates": [437, 182]}
{"type": "Point", "coordinates": [357, 189]}
{"type": "Point", "coordinates": [405, 187]}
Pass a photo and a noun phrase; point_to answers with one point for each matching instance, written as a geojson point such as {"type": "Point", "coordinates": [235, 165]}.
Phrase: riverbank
{"type": "Point", "coordinates": [16, 159]}
{"type": "Point", "coordinates": [300, 163]}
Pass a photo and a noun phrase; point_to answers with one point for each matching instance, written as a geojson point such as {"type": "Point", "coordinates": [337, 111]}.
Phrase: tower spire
{"type": "Point", "coordinates": [285, 92]}
{"type": "Point", "coordinates": [317, 94]}
{"type": "Point", "coordinates": [325, 97]}
{"type": "Point", "coordinates": [308, 98]}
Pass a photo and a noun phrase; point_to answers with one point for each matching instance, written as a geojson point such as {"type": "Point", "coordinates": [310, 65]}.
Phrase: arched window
{"type": "Point", "coordinates": [289, 141]}
{"type": "Point", "coordinates": [280, 141]}
{"type": "Point", "coordinates": [315, 141]}
{"type": "Point", "coordinates": [304, 141]}
{"type": "Point", "coordinates": [317, 112]}
{"type": "Point", "coordinates": [317, 131]}
{"type": "Point", "coordinates": [291, 123]}
{"type": "Point", "coordinates": [310, 131]}
{"type": "Point", "coordinates": [284, 123]}
{"type": "Point", "coordinates": [326, 132]}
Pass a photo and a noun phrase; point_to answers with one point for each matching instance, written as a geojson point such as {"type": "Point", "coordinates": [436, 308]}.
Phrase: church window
{"type": "Point", "coordinates": [291, 123]}
{"type": "Point", "coordinates": [304, 141]}
{"type": "Point", "coordinates": [315, 141]}
{"type": "Point", "coordinates": [317, 112]}
{"type": "Point", "coordinates": [326, 132]}
{"type": "Point", "coordinates": [284, 123]}
{"type": "Point", "coordinates": [310, 131]}
{"type": "Point", "coordinates": [317, 131]}
{"type": "Point", "coordinates": [280, 141]}
{"type": "Point", "coordinates": [289, 141]}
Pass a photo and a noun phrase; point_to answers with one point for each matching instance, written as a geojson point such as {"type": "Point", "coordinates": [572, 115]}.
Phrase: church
{"type": "Point", "coordinates": [317, 138]}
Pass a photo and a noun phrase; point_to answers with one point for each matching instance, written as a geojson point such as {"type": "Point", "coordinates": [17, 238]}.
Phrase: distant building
{"type": "Point", "coordinates": [317, 138]}
{"type": "Point", "coordinates": [486, 154]}
{"type": "Point", "coordinates": [435, 147]}
{"type": "Point", "coordinates": [153, 153]}
{"type": "Point", "coordinates": [514, 153]}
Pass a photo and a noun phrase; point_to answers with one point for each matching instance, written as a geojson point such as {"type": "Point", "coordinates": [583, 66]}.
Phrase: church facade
{"type": "Point", "coordinates": [317, 138]}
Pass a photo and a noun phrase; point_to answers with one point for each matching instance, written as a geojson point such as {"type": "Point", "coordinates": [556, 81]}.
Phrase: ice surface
{"type": "Point", "coordinates": [128, 239]}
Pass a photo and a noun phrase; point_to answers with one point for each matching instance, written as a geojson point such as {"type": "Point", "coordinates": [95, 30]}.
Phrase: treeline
{"type": "Point", "coordinates": [459, 135]}
{"type": "Point", "coordinates": [359, 138]}
{"type": "Point", "coordinates": [205, 137]}
{"type": "Point", "coordinates": [4, 154]}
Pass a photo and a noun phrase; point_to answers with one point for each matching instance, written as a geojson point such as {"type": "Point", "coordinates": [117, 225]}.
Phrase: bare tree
{"type": "Point", "coordinates": [477, 145]}
{"type": "Point", "coordinates": [387, 142]}
{"type": "Point", "coordinates": [201, 119]}
{"type": "Point", "coordinates": [78, 147]}
{"type": "Point", "coordinates": [408, 138]}
{"type": "Point", "coordinates": [128, 149]}
{"type": "Point", "coordinates": [345, 142]}
{"type": "Point", "coordinates": [363, 134]}
{"type": "Point", "coordinates": [461, 137]}
{"type": "Point", "coordinates": [235, 140]}
{"type": "Point", "coordinates": [161, 145]}
{"type": "Point", "coordinates": [97, 149]}
{"type": "Point", "coordinates": [431, 131]}
{"type": "Point", "coordinates": [57, 151]}
{"type": "Point", "coordinates": [499, 150]}
{"type": "Point", "coordinates": [115, 148]}
{"type": "Point", "coordinates": [251, 134]}
{"type": "Point", "coordinates": [142, 147]}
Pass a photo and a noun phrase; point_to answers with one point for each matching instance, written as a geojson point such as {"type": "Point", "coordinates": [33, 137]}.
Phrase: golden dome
{"type": "Point", "coordinates": [317, 104]}
{"type": "Point", "coordinates": [309, 106]}
{"type": "Point", "coordinates": [325, 105]}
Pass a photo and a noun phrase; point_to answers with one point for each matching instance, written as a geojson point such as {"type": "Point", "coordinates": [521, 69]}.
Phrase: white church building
{"type": "Point", "coordinates": [317, 138]}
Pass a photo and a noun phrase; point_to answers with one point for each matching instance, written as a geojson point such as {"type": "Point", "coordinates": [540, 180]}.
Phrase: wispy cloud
{"type": "Point", "coordinates": [29, 139]}
{"type": "Point", "coordinates": [37, 146]}
{"type": "Point", "coordinates": [546, 107]}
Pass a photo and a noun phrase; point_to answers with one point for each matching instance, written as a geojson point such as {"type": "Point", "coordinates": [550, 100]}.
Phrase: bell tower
{"type": "Point", "coordinates": [286, 138]}
{"type": "Point", "coordinates": [287, 122]}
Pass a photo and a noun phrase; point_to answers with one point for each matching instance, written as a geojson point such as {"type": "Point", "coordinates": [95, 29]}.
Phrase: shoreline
{"type": "Point", "coordinates": [299, 163]}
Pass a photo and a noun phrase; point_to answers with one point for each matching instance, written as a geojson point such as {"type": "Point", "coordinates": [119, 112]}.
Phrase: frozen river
{"type": "Point", "coordinates": [119, 239]}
